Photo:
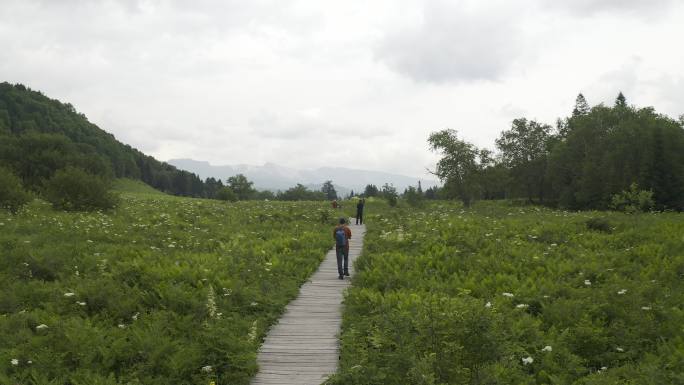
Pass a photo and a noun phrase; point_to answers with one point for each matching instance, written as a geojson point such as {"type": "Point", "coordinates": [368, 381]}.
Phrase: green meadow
{"type": "Point", "coordinates": [503, 294]}
{"type": "Point", "coordinates": [161, 290]}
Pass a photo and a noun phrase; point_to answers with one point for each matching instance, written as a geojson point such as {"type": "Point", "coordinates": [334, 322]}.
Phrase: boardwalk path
{"type": "Point", "coordinates": [303, 347]}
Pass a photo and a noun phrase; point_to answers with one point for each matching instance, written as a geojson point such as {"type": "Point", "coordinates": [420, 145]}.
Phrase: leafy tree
{"type": "Point", "coordinates": [370, 191]}
{"type": "Point", "coordinates": [460, 168]}
{"type": "Point", "coordinates": [73, 189]}
{"type": "Point", "coordinates": [300, 193]}
{"type": "Point", "coordinates": [12, 193]}
{"type": "Point", "coordinates": [389, 192]}
{"type": "Point", "coordinates": [241, 186]}
{"type": "Point", "coordinates": [329, 190]}
{"type": "Point", "coordinates": [524, 150]}
{"type": "Point", "coordinates": [413, 196]}
{"type": "Point", "coordinates": [226, 194]}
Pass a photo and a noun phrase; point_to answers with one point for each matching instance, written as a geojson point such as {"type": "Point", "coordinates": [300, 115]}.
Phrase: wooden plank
{"type": "Point", "coordinates": [303, 346]}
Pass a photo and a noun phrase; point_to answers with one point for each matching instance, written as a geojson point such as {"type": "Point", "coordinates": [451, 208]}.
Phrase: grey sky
{"type": "Point", "coordinates": [350, 83]}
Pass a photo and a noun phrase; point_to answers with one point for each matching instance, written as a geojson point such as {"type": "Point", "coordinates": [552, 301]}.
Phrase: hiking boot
{"type": "Point", "coordinates": [341, 277]}
{"type": "Point", "coordinates": [346, 273]}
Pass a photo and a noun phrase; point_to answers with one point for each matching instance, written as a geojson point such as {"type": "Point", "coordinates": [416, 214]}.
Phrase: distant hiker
{"type": "Point", "coordinates": [334, 203]}
{"type": "Point", "coordinates": [359, 211]}
{"type": "Point", "coordinates": [342, 235]}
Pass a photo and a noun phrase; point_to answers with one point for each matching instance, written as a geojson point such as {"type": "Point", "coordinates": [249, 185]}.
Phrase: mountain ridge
{"type": "Point", "coordinates": [271, 176]}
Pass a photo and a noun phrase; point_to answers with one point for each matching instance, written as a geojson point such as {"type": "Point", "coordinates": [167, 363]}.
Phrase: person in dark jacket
{"type": "Point", "coordinates": [359, 211]}
{"type": "Point", "coordinates": [342, 234]}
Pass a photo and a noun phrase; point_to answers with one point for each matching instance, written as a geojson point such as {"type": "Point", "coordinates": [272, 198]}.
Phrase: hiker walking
{"type": "Point", "coordinates": [359, 211]}
{"type": "Point", "coordinates": [342, 235]}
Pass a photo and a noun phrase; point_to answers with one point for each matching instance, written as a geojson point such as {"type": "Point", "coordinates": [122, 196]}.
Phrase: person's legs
{"type": "Point", "coordinates": [340, 254]}
{"type": "Point", "coordinates": [346, 261]}
{"type": "Point", "coordinates": [359, 216]}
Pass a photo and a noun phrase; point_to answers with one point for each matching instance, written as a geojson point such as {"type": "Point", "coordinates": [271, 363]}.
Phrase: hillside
{"type": "Point", "coordinates": [39, 135]}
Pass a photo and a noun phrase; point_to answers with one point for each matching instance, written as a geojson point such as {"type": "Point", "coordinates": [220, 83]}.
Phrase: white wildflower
{"type": "Point", "coordinates": [41, 326]}
{"type": "Point", "coordinates": [80, 303]}
{"type": "Point", "coordinates": [253, 331]}
{"type": "Point", "coordinates": [171, 245]}
{"type": "Point", "coordinates": [253, 304]}
{"type": "Point", "coordinates": [587, 282]}
{"type": "Point", "coordinates": [211, 303]}
{"type": "Point", "coordinates": [527, 360]}
{"type": "Point", "coordinates": [645, 308]}
{"type": "Point", "coordinates": [619, 349]}
{"type": "Point", "coordinates": [69, 294]}
{"type": "Point", "coordinates": [14, 361]}
{"type": "Point", "coordinates": [621, 292]}
{"type": "Point", "coordinates": [135, 316]}
{"type": "Point", "coordinates": [207, 369]}
{"type": "Point", "coordinates": [509, 295]}
{"type": "Point", "coordinates": [89, 241]}
{"type": "Point", "coordinates": [488, 305]}
{"type": "Point", "coordinates": [121, 326]}
{"type": "Point", "coordinates": [522, 305]}
{"type": "Point", "coordinates": [547, 348]}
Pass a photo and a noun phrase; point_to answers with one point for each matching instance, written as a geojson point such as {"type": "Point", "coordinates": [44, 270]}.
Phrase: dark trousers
{"type": "Point", "coordinates": [342, 253]}
{"type": "Point", "coordinates": [359, 217]}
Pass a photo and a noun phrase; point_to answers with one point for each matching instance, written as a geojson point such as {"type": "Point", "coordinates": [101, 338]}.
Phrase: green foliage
{"type": "Point", "coordinates": [371, 190]}
{"type": "Point", "coordinates": [226, 194]}
{"type": "Point", "coordinates": [329, 190]}
{"type": "Point", "coordinates": [524, 149]}
{"type": "Point", "coordinates": [633, 200]}
{"type": "Point", "coordinates": [300, 193]}
{"type": "Point", "coordinates": [461, 167]}
{"type": "Point", "coordinates": [151, 292]}
{"type": "Point", "coordinates": [389, 192]}
{"type": "Point", "coordinates": [241, 186]}
{"type": "Point", "coordinates": [599, 224]}
{"type": "Point", "coordinates": [413, 197]}
{"type": "Point", "coordinates": [447, 295]}
{"type": "Point", "coordinates": [593, 155]}
{"type": "Point", "coordinates": [12, 193]}
{"type": "Point", "coordinates": [40, 136]}
{"type": "Point", "coordinates": [73, 189]}
{"type": "Point", "coordinates": [133, 186]}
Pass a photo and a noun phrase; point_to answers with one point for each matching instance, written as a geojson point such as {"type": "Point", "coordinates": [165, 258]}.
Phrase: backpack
{"type": "Point", "coordinates": [340, 236]}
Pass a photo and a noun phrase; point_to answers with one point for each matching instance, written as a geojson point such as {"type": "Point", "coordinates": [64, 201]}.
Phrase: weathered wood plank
{"type": "Point", "coordinates": [303, 346]}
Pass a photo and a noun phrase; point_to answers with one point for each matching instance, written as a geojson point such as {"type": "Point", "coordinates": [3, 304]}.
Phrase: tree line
{"type": "Point", "coordinates": [589, 160]}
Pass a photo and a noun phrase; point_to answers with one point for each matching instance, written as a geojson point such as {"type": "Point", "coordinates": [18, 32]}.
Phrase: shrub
{"type": "Point", "coordinates": [73, 189]}
{"type": "Point", "coordinates": [599, 224]}
{"type": "Point", "coordinates": [12, 193]}
{"type": "Point", "coordinates": [633, 200]}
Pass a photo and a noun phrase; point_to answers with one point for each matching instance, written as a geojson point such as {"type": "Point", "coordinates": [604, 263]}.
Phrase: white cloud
{"type": "Point", "coordinates": [455, 42]}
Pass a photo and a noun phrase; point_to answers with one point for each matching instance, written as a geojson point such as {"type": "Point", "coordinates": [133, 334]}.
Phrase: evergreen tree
{"type": "Point", "coordinates": [581, 106]}
{"type": "Point", "coordinates": [620, 101]}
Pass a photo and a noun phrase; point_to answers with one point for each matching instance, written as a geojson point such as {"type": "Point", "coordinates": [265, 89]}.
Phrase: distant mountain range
{"type": "Point", "coordinates": [273, 177]}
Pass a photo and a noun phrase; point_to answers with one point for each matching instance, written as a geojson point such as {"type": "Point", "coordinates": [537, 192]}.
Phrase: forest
{"type": "Point", "coordinates": [582, 163]}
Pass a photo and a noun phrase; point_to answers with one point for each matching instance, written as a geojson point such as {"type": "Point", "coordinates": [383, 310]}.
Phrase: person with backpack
{"type": "Point", "coordinates": [359, 211]}
{"type": "Point", "coordinates": [342, 234]}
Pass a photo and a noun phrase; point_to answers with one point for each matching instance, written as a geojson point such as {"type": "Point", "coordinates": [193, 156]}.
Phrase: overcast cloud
{"type": "Point", "coordinates": [359, 84]}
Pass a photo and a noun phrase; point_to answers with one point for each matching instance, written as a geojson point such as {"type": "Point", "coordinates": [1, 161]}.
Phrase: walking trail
{"type": "Point", "coordinates": [303, 347]}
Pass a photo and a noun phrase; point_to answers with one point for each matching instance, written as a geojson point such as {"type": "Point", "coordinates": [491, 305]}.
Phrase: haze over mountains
{"type": "Point", "coordinates": [274, 177]}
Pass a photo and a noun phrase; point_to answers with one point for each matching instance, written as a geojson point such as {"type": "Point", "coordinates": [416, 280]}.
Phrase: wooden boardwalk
{"type": "Point", "coordinates": [303, 347]}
